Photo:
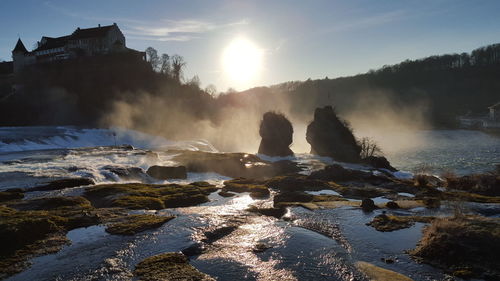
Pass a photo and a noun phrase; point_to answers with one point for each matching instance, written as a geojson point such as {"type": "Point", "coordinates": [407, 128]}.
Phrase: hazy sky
{"type": "Point", "coordinates": [298, 39]}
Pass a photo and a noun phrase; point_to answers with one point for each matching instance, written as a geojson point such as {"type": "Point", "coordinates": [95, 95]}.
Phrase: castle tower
{"type": "Point", "coordinates": [18, 55]}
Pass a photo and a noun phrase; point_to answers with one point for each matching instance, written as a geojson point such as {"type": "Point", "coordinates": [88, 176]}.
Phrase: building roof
{"type": "Point", "coordinates": [51, 43]}
{"type": "Point", "coordinates": [19, 47]}
{"type": "Point", "coordinates": [82, 33]}
{"type": "Point", "coordinates": [79, 33]}
{"type": "Point", "coordinates": [495, 106]}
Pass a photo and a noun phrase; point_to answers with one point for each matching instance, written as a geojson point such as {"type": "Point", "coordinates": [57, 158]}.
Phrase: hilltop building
{"type": "Point", "coordinates": [485, 121]}
{"type": "Point", "coordinates": [83, 42]}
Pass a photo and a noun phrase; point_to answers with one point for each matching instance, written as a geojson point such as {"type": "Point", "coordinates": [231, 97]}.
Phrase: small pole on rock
{"type": "Point", "coordinates": [114, 136]}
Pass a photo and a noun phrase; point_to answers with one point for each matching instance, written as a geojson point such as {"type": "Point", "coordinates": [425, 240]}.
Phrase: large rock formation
{"type": "Point", "coordinates": [277, 135]}
{"type": "Point", "coordinates": [329, 136]}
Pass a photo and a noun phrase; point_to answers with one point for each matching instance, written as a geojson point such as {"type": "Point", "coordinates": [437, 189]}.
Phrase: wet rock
{"type": "Point", "coordinates": [139, 203]}
{"type": "Point", "coordinates": [277, 135]}
{"type": "Point", "coordinates": [168, 267]}
{"type": "Point", "coordinates": [427, 181]}
{"type": "Point", "coordinates": [336, 172]}
{"type": "Point", "coordinates": [255, 188]}
{"type": "Point", "coordinates": [379, 162]}
{"type": "Point", "coordinates": [165, 173]}
{"type": "Point", "coordinates": [38, 226]}
{"type": "Point", "coordinates": [11, 194]}
{"type": "Point", "coordinates": [63, 183]}
{"type": "Point", "coordinates": [392, 205]}
{"type": "Point", "coordinates": [20, 228]}
{"type": "Point", "coordinates": [260, 247]}
{"type": "Point", "coordinates": [224, 193]}
{"type": "Point", "coordinates": [387, 260]}
{"type": "Point", "coordinates": [52, 203]}
{"type": "Point", "coordinates": [133, 224]}
{"type": "Point", "coordinates": [194, 250]}
{"type": "Point", "coordinates": [330, 136]}
{"type": "Point", "coordinates": [368, 205]}
{"type": "Point", "coordinates": [432, 203]}
{"type": "Point", "coordinates": [296, 183]}
{"type": "Point", "coordinates": [219, 233]}
{"type": "Point", "coordinates": [386, 223]}
{"type": "Point", "coordinates": [234, 165]}
{"type": "Point", "coordinates": [147, 196]}
{"type": "Point", "coordinates": [294, 196]}
{"type": "Point", "coordinates": [126, 173]}
{"type": "Point", "coordinates": [272, 212]}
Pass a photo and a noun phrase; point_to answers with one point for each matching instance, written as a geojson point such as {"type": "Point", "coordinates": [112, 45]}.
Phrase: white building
{"type": "Point", "coordinates": [486, 121]}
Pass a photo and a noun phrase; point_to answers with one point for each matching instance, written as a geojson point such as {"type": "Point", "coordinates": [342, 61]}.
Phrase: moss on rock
{"type": "Point", "coordinates": [148, 196]}
{"type": "Point", "coordinates": [255, 188]}
{"type": "Point", "coordinates": [168, 266]}
{"type": "Point", "coordinates": [386, 223]}
{"type": "Point", "coordinates": [139, 202]}
{"type": "Point", "coordinates": [133, 224]}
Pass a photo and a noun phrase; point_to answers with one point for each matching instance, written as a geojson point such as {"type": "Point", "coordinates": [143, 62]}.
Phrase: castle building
{"type": "Point", "coordinates": [82, 42]}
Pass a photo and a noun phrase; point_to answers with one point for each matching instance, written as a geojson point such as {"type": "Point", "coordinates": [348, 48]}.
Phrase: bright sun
{"type": "Point", "coordinates": [242, 62]}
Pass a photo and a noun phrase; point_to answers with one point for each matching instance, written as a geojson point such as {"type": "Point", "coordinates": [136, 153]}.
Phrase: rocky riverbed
{"type": "Point", "coordinates": [241, 216]}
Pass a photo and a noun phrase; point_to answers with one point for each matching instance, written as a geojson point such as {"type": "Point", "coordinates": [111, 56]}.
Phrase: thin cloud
{"type": "Point", "coordinates": [178, 38]}
{"type": "Point", "coordinates": [175, 30]}
{"type": "Point", "coordinates": [367, 22]}
{"type": "Point", "coordinates": [161, 30]}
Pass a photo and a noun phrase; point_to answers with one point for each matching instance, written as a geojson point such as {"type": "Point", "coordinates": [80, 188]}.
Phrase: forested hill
{"type": "Point", "coordinates": [442, 86]}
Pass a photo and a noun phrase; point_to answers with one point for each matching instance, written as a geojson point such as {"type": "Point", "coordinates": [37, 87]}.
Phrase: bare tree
{"type": "Point", "coordinates": [195, 82]}
{"type": "Point", "coordinates": [212, 90]}
{"type": "Point", "coordinates": [152, 58]}
{"type": "Point", "coordinates": [177, 66]}
{"type": "Point", "coordinates": [368, 148]}
{"type": "Point", "coordinates": [165, 64]}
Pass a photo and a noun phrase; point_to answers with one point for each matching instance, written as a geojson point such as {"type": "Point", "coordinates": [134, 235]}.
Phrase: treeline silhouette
{"type": "Point", "coordinates": [86, 90]}
{"type": "Point", "coordinates": [441, 86]}
{"type": "Point", "coordinates": [83, 91]}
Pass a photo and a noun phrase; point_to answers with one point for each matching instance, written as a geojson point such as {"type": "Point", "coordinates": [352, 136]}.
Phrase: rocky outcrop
{"type": "Point", "coordinates": [336, 172]}
{"type": "Point", "coordinates": [368, 205]}
{"type": "Point", "coordinates": [379, 162]}
{"type": "Point", "coordinates": [63, 183]}
{"type": "Point", "coordinates": [277, 135]}
{"type": "Point", "coordinates": [330, 136]}
{"type": "Point", "coordinates": [165, 173]}
{"type": "Point", "coordinates": [233, 165]}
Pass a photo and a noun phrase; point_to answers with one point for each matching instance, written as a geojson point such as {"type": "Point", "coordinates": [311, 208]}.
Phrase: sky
{"type": "Point", "coordinates": [295, 40]}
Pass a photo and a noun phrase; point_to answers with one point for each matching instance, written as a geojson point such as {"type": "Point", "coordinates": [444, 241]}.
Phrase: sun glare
{"type": "Point", "coordinates": [242, 62]}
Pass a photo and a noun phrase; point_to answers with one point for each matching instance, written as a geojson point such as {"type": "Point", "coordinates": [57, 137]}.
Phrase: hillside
{"type": "Point", "coordinates": [438, 87]}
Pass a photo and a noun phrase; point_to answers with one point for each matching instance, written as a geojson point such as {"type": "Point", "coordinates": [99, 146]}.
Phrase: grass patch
{"type": "Point", "coordinates": [466, 245]}
{"type": "Point", "coordinates": [168, 266]}
{"type": "Point", "coordinates": [386, 223]}
{"type": "Point", "coordinates": [376, 273]}
{"type": "Point", "coordinates": [133, 224]}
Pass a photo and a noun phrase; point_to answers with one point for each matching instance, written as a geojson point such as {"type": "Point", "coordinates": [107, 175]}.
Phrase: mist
{"type": "Point", "coordinates": [233, 123]}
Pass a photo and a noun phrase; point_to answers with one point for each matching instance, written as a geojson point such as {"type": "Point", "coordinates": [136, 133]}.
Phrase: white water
{"type": "Point", "coordinates": [33, 155]}
{"type": "Point", "coordinates": [40, 138]}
